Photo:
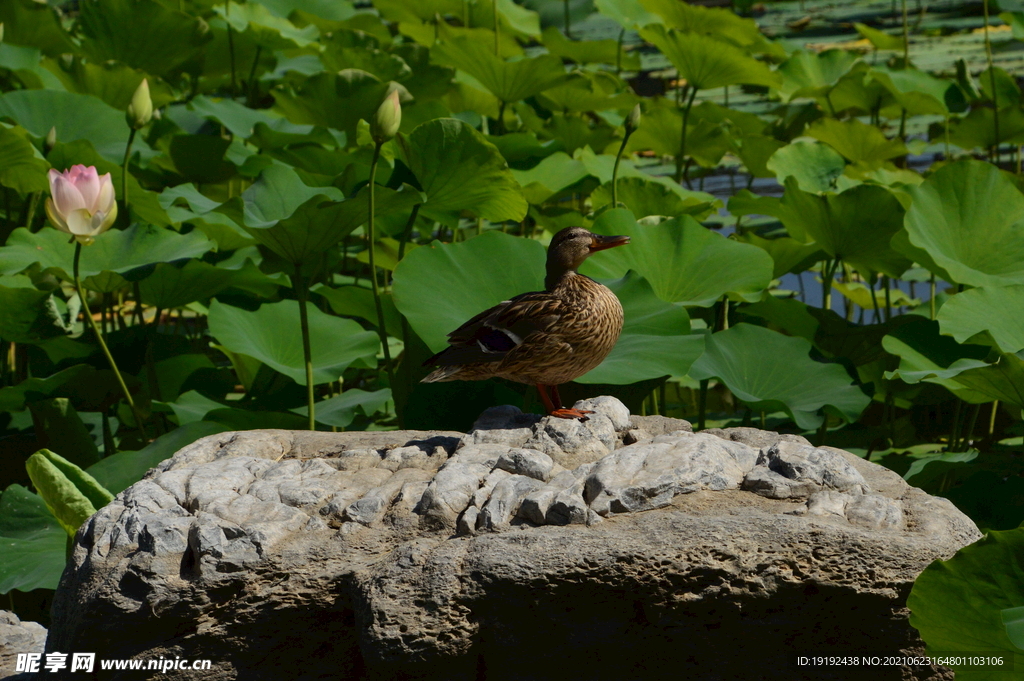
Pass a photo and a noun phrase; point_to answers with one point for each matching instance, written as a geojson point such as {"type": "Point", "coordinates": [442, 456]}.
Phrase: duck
{"type": "Point", "coordinates": [544, 338]}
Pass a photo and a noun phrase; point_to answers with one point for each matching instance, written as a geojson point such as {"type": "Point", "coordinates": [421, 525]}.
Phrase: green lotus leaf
{"type": "Point", "coordinates": [968, 217]}
{"type": "Point", "coordinates": [21, 167]}
{"type": "Point", "coordinates": [184, 203]}
{"type": "Point", "coordinates": [858, 142]}
{"type": "Point", "coordinates": [509, 81]}
{"type": "Point", "coordinates": [655, 339]}
{"type": "Point", "coordinates": [332, 100]}
{"type": "Point", "coordinates": [26, 314]}
{"type": "Point", "coordinates": [788, 254]}
{"type": "Point", "coordinates": [33, 24]}
{"type": "Point", "coordinates": [683, 261]}
{"type": "Point", "coordinates": [178, 284]}
{"type": "Point", "coordinates": [590, 51]}
{"type": "Point", "coordinates": [755, 152]}
{"type": "Point", "coordinates": [339, 411]}
{"type": "Point", "coordinates": [856, 225]}
{"type": "Point", "coordinates": [553, 174]}
{"type": "Point", "coordinates": [75, 116]}
{"type": "Point", "coordinates": [241, 120]}
{"type": "Point", "coordinates": [645, 197]}
{"type": "Point", "coordinates": [856, 91]}
{"type": "Point", "coordinates": [17, 397]}
{"type": "Point", "coordinates": [629, 14]}
{"type": "Point", "coordinates": [816, 167]}
{"type": "Point", "coordinates": [460, 170]}
{"type": "Point", "coordinates": [925, 355]}
{"type": "Point", "coordinates": [356, 301]}
{"type": "Point", "coordinates": [441, 286]}
{"type": "Point", "coordinates": [34, 543]}
{"type": "Point", "coordinates": [143, 34]}
{"type": "Point", "coordinates": [921, 93]}
{"type": "Point", "coordinates": [277, 194]}
{"type": "Point", "coordinates": [113, 251]}
{"type": "Point", "coordinates": [723, 24]}
{"type": "Point", "coordinates": [584, 91]}
{"type": "Point", "coordinates": [200, 158]}
{"type": "Point", "coordinates": [270, 335]}
{"type": "Point", "coordinates": [352, 50]}
{"type": "Point", "coordinates": [601, 167]}
{"type": "Point", "coordinates": [987, 310]}
{"type": "Point", "coordinates": [804, 73]}
{"type": "Point", "coordinates": [117, 472]}
{"type": "Point", "coordinates": [192, 407]}
{"type": "Point", "coordinates": [317, 225]}
{"type": "Point", "coordinates": [879, 39]}
{"type": "Point", "coordinates": [957, 604]}
{"type": "Point", "coordinates": [268, 30]}
{"type": "Point", "coordinates": [771, 372]}
{"type": "Point", "coordinates": [1004, 90]}
{"type": "Point", "coordinates": [706, 62]}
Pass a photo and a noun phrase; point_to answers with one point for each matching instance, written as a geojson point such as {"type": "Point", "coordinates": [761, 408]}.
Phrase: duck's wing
{"type": "Point", "coordinates": [492, 334]}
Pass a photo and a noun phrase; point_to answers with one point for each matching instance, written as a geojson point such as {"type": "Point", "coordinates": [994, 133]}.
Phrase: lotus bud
{"type": "Point", "coordinates": [140, 110]}
{"type": "Point", "coordinates": [81, 202]}
{"type": "Point", "coordinates": [387, 120]}
{"type": "Point", "coordinates": [51, 140]}
{"type": "Point", "coordinates": [633, 120]}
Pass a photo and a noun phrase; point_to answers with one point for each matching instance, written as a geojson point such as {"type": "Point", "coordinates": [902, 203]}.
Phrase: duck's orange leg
{"type": "Point", "coordinates": [553, 404]}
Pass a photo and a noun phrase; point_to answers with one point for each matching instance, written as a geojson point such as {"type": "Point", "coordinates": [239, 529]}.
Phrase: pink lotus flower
{"type": "Point", "coordinates": [82, 202]}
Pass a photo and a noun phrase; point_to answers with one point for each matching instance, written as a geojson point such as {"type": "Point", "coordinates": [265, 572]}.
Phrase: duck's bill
{"type": "Point", "coordinates": [602, 243]}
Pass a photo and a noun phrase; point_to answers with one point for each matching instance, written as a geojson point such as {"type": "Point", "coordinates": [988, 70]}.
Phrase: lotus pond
{"type": "Point", "coordinates": [825, 204]}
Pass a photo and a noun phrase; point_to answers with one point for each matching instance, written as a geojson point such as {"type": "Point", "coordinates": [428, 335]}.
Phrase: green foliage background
{"type": "Point", "coordinates": [826, 238]}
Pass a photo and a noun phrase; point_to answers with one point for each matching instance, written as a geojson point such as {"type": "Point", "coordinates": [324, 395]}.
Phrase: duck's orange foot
{"type": "Point", "coordinates": [580, 414]}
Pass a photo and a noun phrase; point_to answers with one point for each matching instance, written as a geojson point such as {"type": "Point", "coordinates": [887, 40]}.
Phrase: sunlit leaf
{"type": "Point", "coordinates": [771, 372]}
{"type": "Point", "coordinates": [270, 334]}
{"type": "Point", "coordinates": [509, 81]}
{"type": "Point", "coordinates": [709, 63]}
{"type": "Point", "coordinates": [683, 261]}
{"type": "Point", "coordinates": [988, 310]}
{"type": "Point", "coordinates": [460, 170]}
{"type": "Point", "coordinates": [969, 217]}
{"type": "Point", "coordinates": [856, 141]}
{"type": "Point", "coordinates": [113, 251]}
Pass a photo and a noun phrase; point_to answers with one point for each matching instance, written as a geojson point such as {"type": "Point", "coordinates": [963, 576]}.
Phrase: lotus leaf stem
{"type": "Point", "coordinates": [931, 301]}
{"type": "Point", "coordinates": [302, 294]}
{"type": "Point", "coordinates": [682, 141]}
{"type": "Point", "coordinates": [124, 167]}
{"type": "Point", "coordinates": [992, 418]}
{"type": "Point", "coordinates": [954, 436]}
{"type": "Point", "coordinates": [702, 407]}
{"type": "Point", "coordinates": [99, 337]}
{"type": "Point", "coordinates": [972, 421]}
{"type": "Point", "coordinates": [565, 3]}
{"type": "Point", "coordinates": [381, 328]}
{"type": "Point", "coordinates": [251, 87]}
{"type": "Point", "coordinates": [615, 168]}
{"type": "Point", "coordinates": [618, 52]}
{"type": "Point", "coordinates": [497, 30]}
{"type": "Point", "coordinates": [407, 232]}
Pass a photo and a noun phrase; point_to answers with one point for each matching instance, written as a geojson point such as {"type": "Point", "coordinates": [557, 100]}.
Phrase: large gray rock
{"type": "Point", "coordinates": [17, 637]}
{"type": "Point", "coordinates": [428, 555]}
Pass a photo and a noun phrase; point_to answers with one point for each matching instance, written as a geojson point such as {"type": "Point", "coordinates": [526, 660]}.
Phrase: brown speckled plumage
{"type": "Point", "coordinates": [546, 337]}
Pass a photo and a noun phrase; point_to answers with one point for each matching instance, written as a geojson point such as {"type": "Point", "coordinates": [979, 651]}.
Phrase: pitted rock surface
{"type": "Point", "coordinates": [18, 637]}
{"type": "Point", "coordinates": [618, 547]}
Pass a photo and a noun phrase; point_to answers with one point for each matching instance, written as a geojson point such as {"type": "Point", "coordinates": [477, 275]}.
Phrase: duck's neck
{"type": "Point", "coordinates": [557, 275]}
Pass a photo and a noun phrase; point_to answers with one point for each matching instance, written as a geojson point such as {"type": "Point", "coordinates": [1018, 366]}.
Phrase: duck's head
{"type": "Point", "coordinates": [571, 246]}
